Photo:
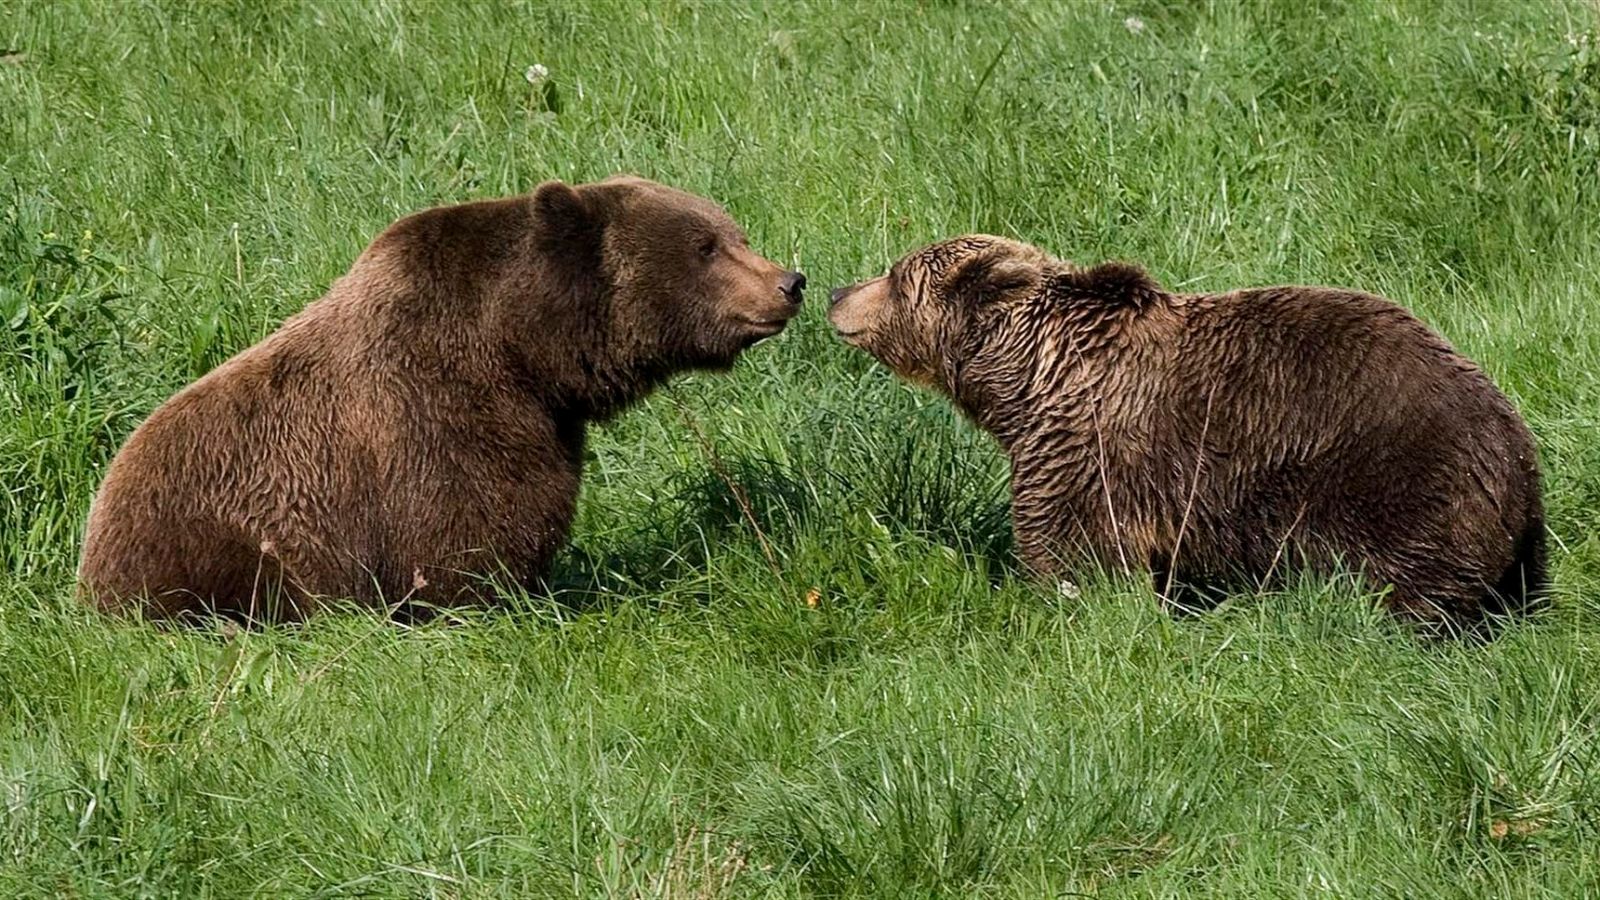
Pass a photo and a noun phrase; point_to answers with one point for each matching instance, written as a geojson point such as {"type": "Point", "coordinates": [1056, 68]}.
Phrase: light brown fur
{"type": "Point", "coordinates": [422, 425]}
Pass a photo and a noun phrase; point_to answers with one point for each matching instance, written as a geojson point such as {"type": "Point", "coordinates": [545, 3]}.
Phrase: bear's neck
{"type": "Point", "coordinates": [991, 394]}
{"type": "Point", "coordinates": [561, 347]}
{"type": "Point", "coordinates": [490, 316]}
{"type": "Point", "coordinates": [1043, 358]}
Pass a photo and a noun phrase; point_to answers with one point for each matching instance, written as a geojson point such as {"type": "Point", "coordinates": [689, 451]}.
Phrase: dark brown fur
{"type": "Point", "coordinates": [422, 425]}
{"type": "Point", "coordinates": [1220, 438]}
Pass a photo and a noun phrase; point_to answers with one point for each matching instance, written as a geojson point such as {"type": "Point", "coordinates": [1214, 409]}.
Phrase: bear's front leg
{"type": "Point", "coordinates": [1052, 542]}
{"type": "Point", "coordinates": [1058, 534]}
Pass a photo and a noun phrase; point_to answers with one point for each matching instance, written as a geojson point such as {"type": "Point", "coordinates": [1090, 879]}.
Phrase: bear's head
{"type": "Point", "coordinates": [925, 316]}
{"type": "Point", "coordinates": [679, 286]}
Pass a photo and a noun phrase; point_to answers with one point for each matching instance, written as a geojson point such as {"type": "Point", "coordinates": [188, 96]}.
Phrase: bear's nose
{"type": "Point", "coordinates": [792, 283]}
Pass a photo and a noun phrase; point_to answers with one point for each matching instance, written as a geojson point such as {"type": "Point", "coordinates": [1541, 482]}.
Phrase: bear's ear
{"type": "Point", "coordinates": [1110, 284]}
{"type": "Point", "coordinates": [992, 274]}
{"type": "Point", "coordinates": [564, 217]}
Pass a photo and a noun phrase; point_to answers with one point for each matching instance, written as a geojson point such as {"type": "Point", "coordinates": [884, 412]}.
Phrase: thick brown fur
{"type": "Point", "coordinates": [1220, 439]}
{"type": "Point", "coordinates": [422, 425]}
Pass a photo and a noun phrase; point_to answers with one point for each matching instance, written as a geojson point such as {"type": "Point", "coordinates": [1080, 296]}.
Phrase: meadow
{"type": "Point", "coordinates": [789, 652]}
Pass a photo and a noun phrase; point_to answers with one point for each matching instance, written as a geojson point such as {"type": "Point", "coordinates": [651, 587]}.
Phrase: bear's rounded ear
{"type": "Point", "coordinates": [993, 274]}
{"type": "Point", "coordinates": [559, 205]}
{"type": "Point", "coordinates": [562, 213]}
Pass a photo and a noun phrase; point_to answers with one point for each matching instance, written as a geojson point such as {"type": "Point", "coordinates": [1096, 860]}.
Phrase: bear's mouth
{"type": "Point", "coordinates": [853, 338]}
{"type": "Point", "coordinates": [753, 331]}
{"type": "Point", "coordinates": [764, 328]}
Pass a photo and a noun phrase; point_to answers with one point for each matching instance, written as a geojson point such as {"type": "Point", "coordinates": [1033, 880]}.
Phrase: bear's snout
{"type": "Point", "coordinates": [792, 284]}
{"type": "Point", "coordinates": [857, 310]}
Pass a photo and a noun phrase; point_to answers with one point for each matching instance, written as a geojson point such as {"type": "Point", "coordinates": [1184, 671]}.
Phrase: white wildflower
{"type": "Point", "coordinates": [1134, 24]}
{"type": "Point", "coordinates": [536, 74]}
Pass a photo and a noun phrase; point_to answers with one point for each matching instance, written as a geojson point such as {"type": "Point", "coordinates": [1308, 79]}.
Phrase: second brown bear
{"type": "Point", "coordinates": [422, 426]}
{"type": "Point", "coordinates": [1220, 439]}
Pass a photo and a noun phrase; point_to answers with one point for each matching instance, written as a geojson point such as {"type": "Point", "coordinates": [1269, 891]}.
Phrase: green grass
{"type": "Point", "coordinates": [675, 720]}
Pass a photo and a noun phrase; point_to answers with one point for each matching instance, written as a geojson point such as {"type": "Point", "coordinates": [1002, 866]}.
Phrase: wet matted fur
{"type": "Point", "coordinates": [1220, 439]}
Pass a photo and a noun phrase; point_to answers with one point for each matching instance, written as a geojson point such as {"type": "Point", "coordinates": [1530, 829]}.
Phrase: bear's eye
{"type": "Point", "coordinates": [708, 247]}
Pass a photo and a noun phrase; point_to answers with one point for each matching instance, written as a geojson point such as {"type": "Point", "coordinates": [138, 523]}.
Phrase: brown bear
{"type": "Point", "coordinates": [1219, 439]}
{"type": "Point", "coordinates": [421, 426]}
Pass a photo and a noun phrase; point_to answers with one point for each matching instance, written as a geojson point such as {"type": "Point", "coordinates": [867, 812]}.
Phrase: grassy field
{"type": "Point", "coordinates": [675, 718]}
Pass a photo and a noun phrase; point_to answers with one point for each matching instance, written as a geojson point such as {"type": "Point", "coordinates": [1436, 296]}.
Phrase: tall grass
{"type": "Point", "coordinates": [885, 707]}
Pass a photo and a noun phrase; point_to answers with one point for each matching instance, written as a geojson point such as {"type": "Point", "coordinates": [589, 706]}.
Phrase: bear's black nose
{"type": "Point", "coordinates": [792, 283]}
